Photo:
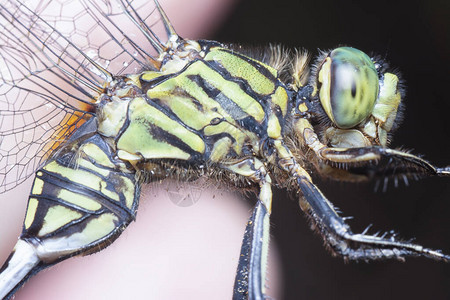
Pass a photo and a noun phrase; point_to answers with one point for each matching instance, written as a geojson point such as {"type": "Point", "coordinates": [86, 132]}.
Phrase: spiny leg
{"type": "Point", "coordinates": [336, 233]}
{"type": "Point", "coordinates": [339, 237]}
{"type": "Point", "coordinates": [249, 282]}
{"type": "Point", "coordinates": [251, 272]}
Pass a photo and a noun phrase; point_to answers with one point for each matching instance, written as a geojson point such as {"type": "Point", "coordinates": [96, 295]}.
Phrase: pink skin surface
{"type": "Point", "coordinates": [171, 251]}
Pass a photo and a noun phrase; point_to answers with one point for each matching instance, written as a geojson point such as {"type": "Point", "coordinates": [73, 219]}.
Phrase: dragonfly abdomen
{"type": "Point", "coordinates": [81, 200]}
{"type": "Point", "coordinates": [76, 192]}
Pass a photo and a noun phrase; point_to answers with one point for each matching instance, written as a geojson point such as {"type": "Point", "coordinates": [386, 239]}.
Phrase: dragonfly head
{"type": "Point", "coordinates": [358, 98]}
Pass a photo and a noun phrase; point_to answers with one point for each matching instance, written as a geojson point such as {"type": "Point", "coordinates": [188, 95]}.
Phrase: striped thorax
{"type": "Point", "coordinates": [211, 104]}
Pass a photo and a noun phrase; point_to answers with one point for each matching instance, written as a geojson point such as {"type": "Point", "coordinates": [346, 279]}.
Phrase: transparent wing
{"type": "Point", "coordinates": [55, 58]}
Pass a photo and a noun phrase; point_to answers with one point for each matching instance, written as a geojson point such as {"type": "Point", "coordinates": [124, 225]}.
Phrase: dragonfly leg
{"type": "Point", "coordinates": [340, 238]}
{"type": "Point", "coordinates": [399, 162]}
{"type": "Point", "coordinates": [251, 272]}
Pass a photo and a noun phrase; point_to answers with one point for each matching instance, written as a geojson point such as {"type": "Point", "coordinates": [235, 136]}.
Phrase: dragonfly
{"type": "Point", "coordinates": [408, 159]}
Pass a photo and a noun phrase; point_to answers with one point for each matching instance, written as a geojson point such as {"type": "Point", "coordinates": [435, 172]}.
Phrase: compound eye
{"type": "Point", "coordinates": [349, 86]}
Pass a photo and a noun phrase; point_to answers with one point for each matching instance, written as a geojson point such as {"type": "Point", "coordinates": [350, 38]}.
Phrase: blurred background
{"type": "Point", "coordinates": [414, 37]}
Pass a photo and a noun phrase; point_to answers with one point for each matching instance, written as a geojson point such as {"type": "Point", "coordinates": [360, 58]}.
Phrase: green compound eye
{"type": "Point", "coordinates": [349, 86]}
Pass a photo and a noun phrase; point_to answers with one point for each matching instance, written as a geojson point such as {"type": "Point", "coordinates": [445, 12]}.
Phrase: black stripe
{"type": "Point", "coordinates": [241, 117]}
{"type": "Point", "coordinates": [226, 103]}
{"type": "Point", "coordinates": [279, 114]}
{"type": "Point", "coordinates": [242, 82]}
{"type": "Point", "coordinates": [45, 203]}
{"type": "Point", "coordinates": [118, 208]}
{"type": "Point", "coordinates": [149, 84]}
{"type": "Point", "coordinates": [180, 92]}
{"type": "Point", "coordinates": [162, 135]}
{"type": "Point", "coordinates": [261, 69]}
{"type": "Point", "coordinates": [159, 105]}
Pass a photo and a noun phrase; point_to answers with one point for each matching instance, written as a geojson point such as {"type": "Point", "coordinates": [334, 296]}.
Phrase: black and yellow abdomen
{"type": "Point", "coordinates": [80, 199]}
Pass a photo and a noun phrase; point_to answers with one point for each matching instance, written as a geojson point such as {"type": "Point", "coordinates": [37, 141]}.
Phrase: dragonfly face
{"type": "Point", "coordinates": [307, 186]}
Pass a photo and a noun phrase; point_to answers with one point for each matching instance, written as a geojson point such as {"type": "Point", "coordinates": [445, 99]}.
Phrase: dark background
{"type": "Point", "coordinates": [414, 36]}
